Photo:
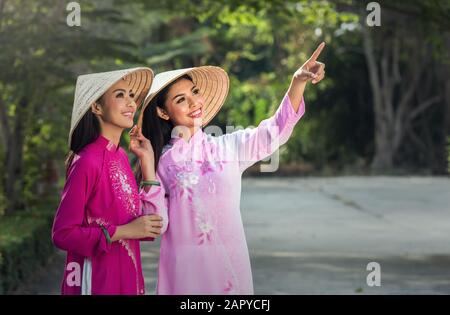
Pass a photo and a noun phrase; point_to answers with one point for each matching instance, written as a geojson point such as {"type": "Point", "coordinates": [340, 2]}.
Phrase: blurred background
{"type": "Point", "coordinates": [363, 178]}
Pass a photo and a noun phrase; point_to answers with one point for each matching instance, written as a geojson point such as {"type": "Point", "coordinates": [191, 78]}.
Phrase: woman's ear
{"type": "Point", "coordinates": [96, 108]}
{"type": "Point", "coordinates": [162, 113]}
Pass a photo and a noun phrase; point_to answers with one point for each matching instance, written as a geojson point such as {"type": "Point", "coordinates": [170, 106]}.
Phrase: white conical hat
{"type": "Point", "coordinates": [90, 87]}
{"type": "Point", "coordinates": [213, 83]}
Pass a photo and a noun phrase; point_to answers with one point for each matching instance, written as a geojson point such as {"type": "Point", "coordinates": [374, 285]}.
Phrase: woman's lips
{"type": "Point", "coordinates": [128, 114]}
{"type": "Point", "coordinates": [196, 114]}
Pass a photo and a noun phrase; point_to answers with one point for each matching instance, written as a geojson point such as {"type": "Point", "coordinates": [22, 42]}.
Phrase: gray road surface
{"type": "Point", "coordinates": [317, 235]}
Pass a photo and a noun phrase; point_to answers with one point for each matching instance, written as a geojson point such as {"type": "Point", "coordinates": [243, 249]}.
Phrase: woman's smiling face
{"type": "Point", "coordinates": [118, 106]}
{"type": "Point", "coordinates": [183, 105]}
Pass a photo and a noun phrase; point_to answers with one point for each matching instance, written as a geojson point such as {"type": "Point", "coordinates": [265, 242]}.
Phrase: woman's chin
{"type": "Point", "coordinates": [125, 124]}
{"type": "Point", "coordinates": [128, 124]}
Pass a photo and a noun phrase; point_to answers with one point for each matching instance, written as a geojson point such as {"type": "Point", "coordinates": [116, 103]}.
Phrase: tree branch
{"type": "Point", "coordinates": [395, 61]}
{"type": "Point", "coordinates": [423, 106]}
{"type": "Point", "coordinates": [373, 71]}
{"type": "Point", "coordinates": [387, 85]}
{"type": "Point", "coordinates": [407, 96]}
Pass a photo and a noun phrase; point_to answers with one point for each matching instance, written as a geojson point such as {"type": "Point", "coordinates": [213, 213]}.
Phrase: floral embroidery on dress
{"type": "Point", "coordinates": [184, 180]}
{"type": "Point", "coordinates": [121, 186]}
{"type": "Point", "coordinates": [99, 221]}
{"type": "Point", "coordinates": [229, 288]}
{"type": "Point", "coordinates": [232, 284]}
{"type": "Point", "coordinates": [126, 245]}
{"type": "Point", "coordinates": [205, 232]}
{"type": "Point", "coordinates": [130, 252]}
{"type": "Point", "coordinates": [210, 167]}
{"type": "Point", "coordinates": [207, 166]}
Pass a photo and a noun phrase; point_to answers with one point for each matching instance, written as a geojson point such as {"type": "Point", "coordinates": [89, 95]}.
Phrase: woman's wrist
{"type": "Point", "coordinates": [148, 169]}
{"type": "Point", "coordinates": [147, 158]}
{"type": "Point", "coordinates": [120, 234]}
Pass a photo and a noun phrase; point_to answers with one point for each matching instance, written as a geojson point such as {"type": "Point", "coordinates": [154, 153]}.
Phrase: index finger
{"type": "Point", "coordinates": [317, 52]}
{"type": "Point", "coordinates": [139, 131]}
{"type": "Point", "coordinates": [155, 217]}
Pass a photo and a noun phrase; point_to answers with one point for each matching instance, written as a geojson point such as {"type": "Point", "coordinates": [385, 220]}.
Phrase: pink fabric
{"type": "Point", "coordinates": [100, 191]}
{"type": "Point", "coordinates": [204, 250]}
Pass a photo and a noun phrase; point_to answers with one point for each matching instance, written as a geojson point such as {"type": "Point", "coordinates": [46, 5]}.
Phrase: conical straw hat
{"type": "Point", "coordinates": [90, 87]}
{"type": "Point", "coordinates": [213, 83]}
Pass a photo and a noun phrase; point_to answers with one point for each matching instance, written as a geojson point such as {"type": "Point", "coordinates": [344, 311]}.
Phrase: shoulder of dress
{"type": "Point", "coordinates": [89, 162]}
{"type": "Point", "coordinates": [166, 148]}
{"type": "Point", "coordinates": [123, 152]}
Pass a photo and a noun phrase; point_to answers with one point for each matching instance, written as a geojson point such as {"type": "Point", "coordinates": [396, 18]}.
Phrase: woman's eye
{"type": "Point", "coordinates": [132, 95]}
{"type": "Point", "coordinates": [196, 91]}
{"type": "Point", "coordinates": [180, 100]}
{"type": "Point", "coordinates": [119, 94]}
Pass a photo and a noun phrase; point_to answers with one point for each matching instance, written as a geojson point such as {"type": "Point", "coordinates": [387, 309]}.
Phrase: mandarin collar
{"type": "Point", "coordinates": [196, 139]}
{"type": "Point", "coordinates": [107, 144]}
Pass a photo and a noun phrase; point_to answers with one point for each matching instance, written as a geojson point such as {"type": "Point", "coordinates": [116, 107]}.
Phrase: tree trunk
{"type": "Point", "coordinates": [13, 181]}
{"type": "Point", "coordinates": [394, 94]}
{"type": "Point", "coordinates": [384, 147]}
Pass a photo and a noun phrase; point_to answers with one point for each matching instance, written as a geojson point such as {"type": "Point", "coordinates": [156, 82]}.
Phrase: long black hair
{"type": "Point", "coordinates": [154, 128]}
{"type": "Point", "coordinates": [87, 131]}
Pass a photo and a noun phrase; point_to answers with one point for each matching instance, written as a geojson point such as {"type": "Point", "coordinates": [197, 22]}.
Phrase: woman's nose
{"type": "Point", "coordinates": [194, 103]}
{"type": "Point", "coordinates": [131, 101]}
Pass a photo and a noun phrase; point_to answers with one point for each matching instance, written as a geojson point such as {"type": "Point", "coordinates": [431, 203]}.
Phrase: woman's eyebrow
{"type": "Point", "coordinates": [177, 96]}
{"type": "Point", "coordinates": [123, 90]}
{"type": "Point", "coordinates": [181, 94]}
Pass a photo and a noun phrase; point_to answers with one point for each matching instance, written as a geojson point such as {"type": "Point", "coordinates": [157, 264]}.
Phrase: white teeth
{"type": "Point", "coordinates": [197, 112]}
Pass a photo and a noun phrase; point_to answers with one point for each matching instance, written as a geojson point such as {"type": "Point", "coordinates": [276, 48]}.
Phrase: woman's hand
{"type": "Point", "coordinates": [142, 227]}
{"type": "Point", "coordinates": [139, 144]}
{"type": "Point", "coordinates": [143, 149]}
{"type": "Point", "coordinates": [312, 69]}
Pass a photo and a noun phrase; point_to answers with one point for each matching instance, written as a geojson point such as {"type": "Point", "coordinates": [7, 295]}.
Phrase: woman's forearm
{"type": "Point", "coordinates": [148, 168]}
{"type": "Point", "coordinates": [148, 171]}
{"type": "Point", "coordinates": [295, 92]}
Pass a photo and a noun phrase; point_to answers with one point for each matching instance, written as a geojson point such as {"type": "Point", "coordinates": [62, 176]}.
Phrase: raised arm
{"type": "Point", "coordinates": [254, 144]}
{"type": "Point", "coordinates": [153, 199]}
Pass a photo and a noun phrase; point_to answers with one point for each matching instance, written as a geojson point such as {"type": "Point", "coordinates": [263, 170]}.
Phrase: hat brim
{"type": "Point", "coordinates": [213, 83]}
{"type": "Point", "coordinates": [140, 82]}
{"type": "Point", "coordinates": [139, 79]}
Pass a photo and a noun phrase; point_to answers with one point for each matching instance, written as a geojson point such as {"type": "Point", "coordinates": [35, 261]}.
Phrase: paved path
{"type": "Point", "coordinates": [317, 235]}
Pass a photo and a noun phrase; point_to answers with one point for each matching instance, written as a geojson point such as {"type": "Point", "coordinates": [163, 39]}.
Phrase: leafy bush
{"type": "Point", "coordinates": [25, 245]}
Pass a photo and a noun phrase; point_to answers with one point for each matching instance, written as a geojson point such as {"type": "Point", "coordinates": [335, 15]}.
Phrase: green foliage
{"type": "Point", "coordinates": [260, 44]}
{"type": "Point", "coordinates": [39, 68]}
{"type": "Point", "coordinates": [25, 245]}
{"type": "Point", "coordinates": [2, 203]}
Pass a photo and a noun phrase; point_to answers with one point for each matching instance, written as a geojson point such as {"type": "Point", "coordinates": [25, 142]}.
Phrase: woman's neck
{"type": "Point", "coordinates": [193, 131]}
{"type": "Point", "coordinates": [112, 133]}
{"type": "Point", "coordinates": [185, 133]}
